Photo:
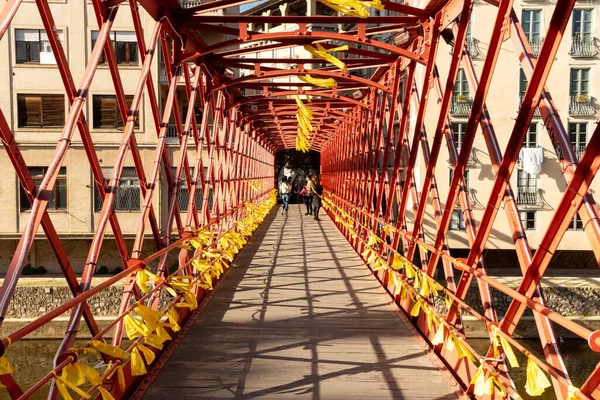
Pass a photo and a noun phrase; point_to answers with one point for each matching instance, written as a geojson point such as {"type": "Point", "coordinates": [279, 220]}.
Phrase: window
{"type": "Point", "coordinates": [466, 177]}
{"type": "Point", "coordinates": [531, 137]}
{"type": "Point", "coordinates": [531, 23]}
{"type": "Point", "coordinates": [457, 222]}
{"type": "Point", "coordinates": [525, 180]}
{"type": "Point", "coordinates": [580, 80]}
{"type": "Point", "coordinates": [58, 197]}
{"type": "Point", "coordinates": [106, 114]}
{"type": "Point", "coordinates": [576, 224]}
{"type": "Point", "coordinates": [125, 46]}
{"type": "Point", "coordinates": [582, 23]}
{"type": "Point", "coordinates": [461, 86]}
{"type": "Point", "coordinates": [40, 110]}
{"type": "Point", "coordinates": [32, 46]}
{"type": "Point", "coordinates": [578, 137]}
{"type": "Point", "coordinates": [183, 197]}
{"type": "Point", "coordinates": [459, 129]}
{"type": "Point", "coordinates": [128, 193]}
{"type": "Point", "coordinates": [528, 218]}
{"type": "Point", "coordinates": [522, 83]}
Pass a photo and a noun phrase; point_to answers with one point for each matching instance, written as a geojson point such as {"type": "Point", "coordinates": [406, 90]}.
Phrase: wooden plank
{"type": "Point", "coordinates": [299, 316]}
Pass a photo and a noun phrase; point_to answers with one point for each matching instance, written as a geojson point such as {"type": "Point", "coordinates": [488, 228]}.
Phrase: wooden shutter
{"type": "Point", "coordinates": [53, 110]}
{"type": "Point", "coordinates": [29, 110]}
{"type": "Point", "coordinates": [129, 100]}
{"type": "Point", "coordinates": [105, 112]}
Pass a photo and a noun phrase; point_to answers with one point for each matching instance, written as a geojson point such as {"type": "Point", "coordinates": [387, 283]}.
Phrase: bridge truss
{"type": "Point", "coordinates": [360, 124]}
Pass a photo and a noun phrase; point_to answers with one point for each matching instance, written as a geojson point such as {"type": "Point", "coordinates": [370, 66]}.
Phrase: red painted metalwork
{"type": "Point", "coordinates": [371, 158]}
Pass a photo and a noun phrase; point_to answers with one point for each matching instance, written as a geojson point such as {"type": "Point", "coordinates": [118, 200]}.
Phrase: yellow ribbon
{"type": "Point", "coordinates": [105, 394]}
{"type": "Point", "coordinates": [137, 363]}
{"type": "Point", "coordinates": [149, 316]}
{"type": "Point", "coordinates": [135, 328]}
{"type": "Point", "coordinates": [398, 262]}
{"type": "Point", "coordinates": [321, 82]}
{"type": "Point", "coordinates": [572, 394]}
{"type": "Point", "coordinates": [109, 350]}
{"type": "Point", "coordinates": [500, 341]}
{"type": "Point", "coordinates": [537, 382]}
{"type": "Point", "coordinates": [63, 387]}
{"type": "Point", "coordinates": [5, 366]}
{"type": "Point", "coordinates": [145, 276]}
{"type": "Point", "coordinates": [479, 382]}
{"type": "Point", "coordinates": [323, 53]}
{"type": "Point", "coordinates": [438, 338]}
{"type": "Point", "coordinates": [173, 319]}
{"type": "Point", "coordinates": [120, 374]}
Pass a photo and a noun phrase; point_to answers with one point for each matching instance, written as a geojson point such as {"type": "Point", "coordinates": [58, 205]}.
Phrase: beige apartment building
{"type": "Point", "coordinates": [572, 84]}
{"type": "Point", "coordinates": [35, 106]}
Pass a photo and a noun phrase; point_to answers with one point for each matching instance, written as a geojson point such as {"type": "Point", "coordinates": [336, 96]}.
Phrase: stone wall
{"type": "Point", "coordinates": [568, 301]}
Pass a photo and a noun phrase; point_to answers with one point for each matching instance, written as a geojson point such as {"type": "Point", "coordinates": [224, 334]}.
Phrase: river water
{"type": "Point", "coordinates": [33, 359]}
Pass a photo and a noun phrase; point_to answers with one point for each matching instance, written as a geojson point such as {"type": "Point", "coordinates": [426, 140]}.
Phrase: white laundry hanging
{"type": "Point", "coordinates": [532, 159]}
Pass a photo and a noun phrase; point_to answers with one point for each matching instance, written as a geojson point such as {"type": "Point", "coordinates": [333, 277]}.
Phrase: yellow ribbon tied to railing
{"type": "Point", "coordinates": [107, 349]}
{"type": "Point", "coordinates": [64, 385]}
{"type": "Point", "coordinates": [144, 277]}
{"type": "Point", "coordinates": [117, 370]}
{"type": "Point", "coordinates": [135, 328]}
{"type": "Point", "coordinates": [500, 341]}
{"type": "Point", "coordinates": [5, 366]}
{"type": "Point", "coordinates": [428, 287]}
{"type": "Point", "coordinates": [77, 374]}
{"type": "Point", "coordinates": [173, 319]}
{"type": "Point", "coordinates": [323, 53]}
{"type": "Point", "coordinates": [438, 338]}
{"type": "Point", "coordinates": [537, 382]}
{"type": "Point", "coordinates": [572, 394]}
{"type": "Point", "coordinates": [353, 8]}
{"type": "Point", "coordinates": [456, 343]}
{"type": "Point", "coordinates": [397, 262]}
{"type": "Point", "coordinates": [137, 363]}
{"type": "Point", "coordinates": [321, 82]}
{"type": "Point", "coordinates": [373, 239]}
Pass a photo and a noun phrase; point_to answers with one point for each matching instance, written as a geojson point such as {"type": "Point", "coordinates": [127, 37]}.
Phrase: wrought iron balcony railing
{"type": "Point", "coordinates": [172, 132]}
{"type": "Point", "coordinates": [472, 161]}
{"type": "Point", "coordinates": [581, 106]}
{"type": "Point", "coordinates": [583, 46]}
{"type": "Point", "coordinates": [536, 45]}
{"type": "Point", "coordinates": [578, 150]}
{"type": "Point", "coordinates": [461, 106]}
{"type": "Point", "coordinates": [528, 196]}
{"type": "Point", "coordinates": [473, 45]}
{"type": "Point", "coordinates": [536, 113]}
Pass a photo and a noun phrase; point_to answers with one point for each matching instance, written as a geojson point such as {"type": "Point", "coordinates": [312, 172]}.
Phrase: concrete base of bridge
{"type": "Point", "coordinates": [298, 317]}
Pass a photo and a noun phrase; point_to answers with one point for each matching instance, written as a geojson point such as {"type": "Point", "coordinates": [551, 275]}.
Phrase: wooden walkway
{"type": "Point", "coordinates": [299, 317]}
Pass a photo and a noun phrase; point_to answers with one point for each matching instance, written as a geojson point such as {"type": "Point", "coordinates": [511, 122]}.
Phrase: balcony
{"type": "Point", "coordinates": [472, 196]}
{"type": "Point", "coordinates": [461, 106]}
{"type": "Point", "coordinates": [536, 45]}
{"type": "Point", "coordinates": [172, 133]}
{"type": "Point", "coordinates": [473, 46]}
{"type": "Point", "coordinates": [581, 106]}
{"type": "Point", "coordinates": [578, 150]}
{"type": "Point", "coordinates": [528, 197]}
{"type": "Point", "coordinates": [536, 113]}
{"type": "Point", "coordinates": [583, 46]}
{"type": "Point", "coordinates": [194, 3]}
{"type": "Point", "coordinates": [472, 161]}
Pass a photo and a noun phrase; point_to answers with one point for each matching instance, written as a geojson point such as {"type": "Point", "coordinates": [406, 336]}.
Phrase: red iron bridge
{"type": "Point", "coordinates": [361, 304]}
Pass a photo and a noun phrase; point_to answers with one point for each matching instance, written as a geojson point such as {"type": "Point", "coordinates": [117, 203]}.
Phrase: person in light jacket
{"type": "Point", "coordinates": [285, 188]}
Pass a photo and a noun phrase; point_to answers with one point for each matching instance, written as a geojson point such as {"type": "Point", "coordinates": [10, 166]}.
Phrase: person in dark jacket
{"type": "Point", "coordinates": [317, 191]}
{"type": "Point", "coordinates": [307, 198]}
